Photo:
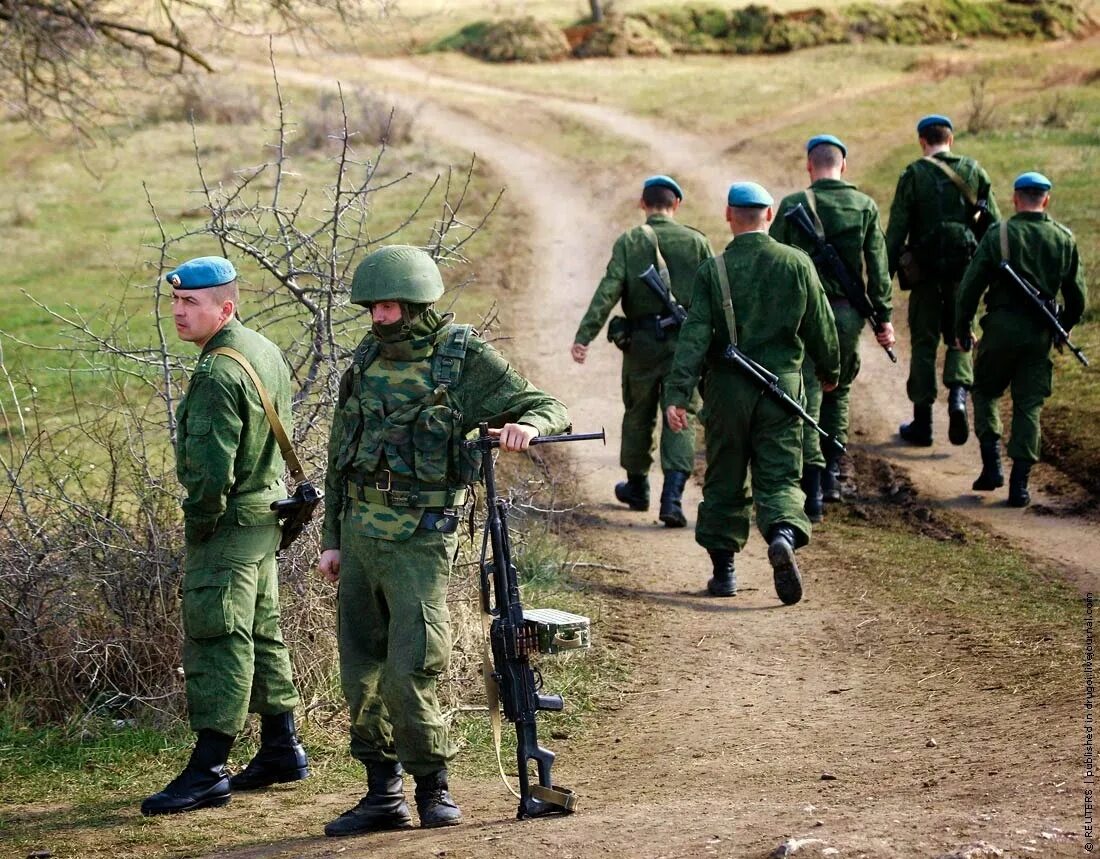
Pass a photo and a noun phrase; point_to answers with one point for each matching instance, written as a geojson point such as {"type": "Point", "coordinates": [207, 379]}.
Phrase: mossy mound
{"type": "Point", "coordinates": [620, 36]}
{"type": "Point", "coordinates": [513, 40]}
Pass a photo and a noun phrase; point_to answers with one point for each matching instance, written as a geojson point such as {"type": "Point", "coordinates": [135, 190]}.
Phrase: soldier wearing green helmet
{"type": "Point", "coordinates": [396, 482]}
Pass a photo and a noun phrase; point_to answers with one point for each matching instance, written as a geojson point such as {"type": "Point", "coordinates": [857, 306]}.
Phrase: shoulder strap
{"type": "Point", "coordinates": [272, 416]}
{"type": "Point", "coordinates": [1004, 240]}
{"type": "Point", "coordinates": [811, 200]}
{"type": "Point", "coordinates": [662, 267]}
{"type": "Point", "coordinates": [450, 355]}
{"type": "Point", "coordinates": [959, 182]}
{"type": "Point", "coordinates": [727, 298]}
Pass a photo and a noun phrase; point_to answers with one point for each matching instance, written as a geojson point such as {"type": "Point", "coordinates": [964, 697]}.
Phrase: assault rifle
{"type": "Point", "coordinates": [759, 375]}
{"type": "Point", "coordinates": [828, 262]}
{"type": "Point", "coordinates": [514, 635]}
{"type": "Point", "coordinates": [295, 512]}
{"type": "Point", "coordinates": [1046, 309]}
{"type": "Point", "coordinates": [676, 312]}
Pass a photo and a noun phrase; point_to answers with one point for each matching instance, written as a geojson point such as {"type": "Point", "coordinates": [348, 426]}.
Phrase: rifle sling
{"type": "Point", "coordinates": [1004, 240]}
{"type": "Point", "coordinates": [662, 266]}
{"type": "Point", "coordinates": [956, 179]}
{"type": "Point", "coordinates": [285, 447]}
{"type": "Point", "coordinates": [727, 299]}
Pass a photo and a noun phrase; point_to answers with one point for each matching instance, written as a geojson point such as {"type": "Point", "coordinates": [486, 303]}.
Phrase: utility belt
{"type": "Point", "coordinates": [838, 301]}
{"type": "Point", "coordinates": [659, 324]}
{"type": "Point", "coordinates": [390, 493]}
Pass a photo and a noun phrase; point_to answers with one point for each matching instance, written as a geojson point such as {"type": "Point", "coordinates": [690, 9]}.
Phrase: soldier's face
{"type": "Point", "coordinates": [198, 314]}
{"type": "Point", "coordinates": [385, 312]}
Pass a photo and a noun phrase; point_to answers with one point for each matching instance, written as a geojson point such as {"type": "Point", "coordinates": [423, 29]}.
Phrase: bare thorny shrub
{"type": "Point", "coordinates": [90, 527]}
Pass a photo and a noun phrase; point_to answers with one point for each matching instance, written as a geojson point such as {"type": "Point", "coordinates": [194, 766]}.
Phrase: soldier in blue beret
{"type": "Point", "coordinates": [648, 342]}
{"type": "Point", "coordinates": [234, 658]}
{"type": "Point", "coordinates": [848, 220]}
{"type": "Point", "coordinates": [767, 298]}
{"type": "Point", "coordinates": [1014, 351]}
{"type": "Point", "coordinates": [942, 205]}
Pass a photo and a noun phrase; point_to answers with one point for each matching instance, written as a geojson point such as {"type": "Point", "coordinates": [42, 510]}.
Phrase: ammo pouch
{"type": "Point", "coordinates": [618, 332]}
{"type": "Point", "coordinates": [296, 511]}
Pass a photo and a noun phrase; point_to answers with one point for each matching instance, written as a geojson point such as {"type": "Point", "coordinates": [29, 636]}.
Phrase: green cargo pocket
{"type": "Point", "coordinates": [432, 438]}
{"type": "Point", "coordinates": [207, 604]}
{"type": "Point", "coordinates": [437, 638]}
{"type": "Point", "coordinates": [251, 515]}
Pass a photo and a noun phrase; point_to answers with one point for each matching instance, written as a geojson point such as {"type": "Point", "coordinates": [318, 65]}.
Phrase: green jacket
{"type": "Point", "coordinates": [226, 455]}
{"type": "Point", "coordinates": [926, 198]}
{"type": "Point", "coordinates": [850, 221]}
{"type": "Point", "coordinates": [487, 390]}
{"type": "Point", "coordinates": [780, 310]}
{"type": "Point", "coordinates": [1042, 252]}
{"type": "Point", "coordinates": [683, 248]}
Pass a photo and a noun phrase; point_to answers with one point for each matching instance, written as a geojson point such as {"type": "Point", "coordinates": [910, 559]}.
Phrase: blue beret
{"type": "Point", "coordinates": [748, 195]}
{"type": "Point", "coordinates": [1032, 181]}
{"type": "Point", "coordinates": [661, 181]}
{"type": "Point", "coordinates": [933, 119]}
{"type": "Point", "coordinates": [826, 138]}
{"type": "Point", "coordinates": [202, 273]}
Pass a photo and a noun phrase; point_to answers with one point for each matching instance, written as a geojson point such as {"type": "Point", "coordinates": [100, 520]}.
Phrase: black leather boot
{"type": "Point", "coordinates": [723, 583]}
{"type": "Point", "coordinates": [958, 426]}
{"type": "Point", "coordinates": [433, 803]}
{"type": "Point", "coordinates": [1018, 496]}
{"type": "Point", "coordinates": [830, 481]}
{"type": "Point", "coordinates": [634, 491]}
{"type": "Point", "coordinates": [204, 783]}
{"type": "Point", "coordinates": [383, 807]}
{"type": "Point", "coordinates": [788, 581]}
{"type": "Point", "coordinates": [672, 508]}
{"type": "Point", "coordinates": [919, 430]}
{"type": "Point", "coordinates": [992, 476]}
{"type": "Point", "coordinates": [811, 485]}
{"type": "Point", "coordinates": [279, 759]}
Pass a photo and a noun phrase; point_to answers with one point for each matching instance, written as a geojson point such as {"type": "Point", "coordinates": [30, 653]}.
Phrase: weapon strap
{"type": "Point", "coordinates": [1004, 240]}
{"type": "Point", "coordinates": [727, 299]}
{"type": "Point", "coordinates": [811, 201]}
{"type": "Point", "coordinates": [956, 179]}
{"type": "Point", "coordinates": [662, 266]}
{"type": "Point", "coordinates": [289, 455]}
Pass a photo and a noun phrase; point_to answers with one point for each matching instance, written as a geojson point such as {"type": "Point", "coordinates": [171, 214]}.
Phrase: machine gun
{"type": "Point", "coordinates": [1046, 310]}
{"type": "Point", "coordinates": [516, 634]}
{"type": "Point", "coordinates": [828, 262]}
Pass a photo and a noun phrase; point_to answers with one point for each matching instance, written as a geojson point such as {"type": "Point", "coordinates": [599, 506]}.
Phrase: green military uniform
{"type": "Point", "coordinates": [781, 315]}
{"type": "Point", "coordinates": [1015, 344]}
{"type": "Point", "coordinates": [396, 475]}
{"type": "Point", "coordinates": [850, 221]}
{"type": "Point", "coordinates": [228, 461]}
{"type": "Point", "coordinates": [930, 212]}
{"type": "Point", "coordinates": [647, 361]}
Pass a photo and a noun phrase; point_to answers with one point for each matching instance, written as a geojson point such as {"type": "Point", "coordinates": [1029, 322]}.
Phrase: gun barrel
{"type": "Point", "coordinates": [491, 442]}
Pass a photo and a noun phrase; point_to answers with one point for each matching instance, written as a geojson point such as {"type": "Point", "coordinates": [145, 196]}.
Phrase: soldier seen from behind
{"type": "Point", "coordinates": [1014, 350]}
{"type": "Point", "coordinates": [941, 206]}
{"type": "Point", "coordinates": [228, 460]}
{"type": "Point", "coordinates": [848, 220]}
{"type": "Point", "coordinates": [396, 483]}
{"type": "Point", "coordinates": [648, 338]}
{"type": "Point", "coordinates": [767, 298]}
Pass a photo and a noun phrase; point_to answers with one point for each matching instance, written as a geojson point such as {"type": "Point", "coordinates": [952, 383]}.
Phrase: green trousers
{"type": "Point", "coordinates": [645, 366]}
{"type": "Point", "coordinates": [234, 659]}
{"type": "Point", "coordinates": [831, 409]}
{"type": "Point", "coordinates": [1013, 353]}
{"type": "Point", "coordinates": [394, 635]}
{"type": "Point", "coordinates": [928, 304]}
{"type": "Point", "coordinates": [754, 454]}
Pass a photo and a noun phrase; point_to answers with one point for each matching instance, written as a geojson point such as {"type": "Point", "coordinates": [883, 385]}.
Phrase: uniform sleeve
{"type": "Point", "coordinates": [818, 330]}
{"type": "Point", "coordinates": [335, 485]}
{"type": "Point", "coordinates": [780, 228]}
{"type": "Point", "coordinates": [875, 262]}
{"type": "Point", "coordinates": [981, 270]}
{"type": "Point", "coordinates": [492, 392]}
{"type": "Point", "coordinates": [1074, 291]}
{"type": "Point", "coordinates": [692, 345]}
{"type": "Point", "coordinates": [608, 294]}
{"type": "Point", "coordinates": [897, 231]}
{"type": "Point", "coordinates": [213, 436]}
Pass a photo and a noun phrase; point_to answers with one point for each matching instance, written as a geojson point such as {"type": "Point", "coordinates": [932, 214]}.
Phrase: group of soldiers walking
{"type": "Point", "coordinates": [800, 316]}
{"type": "Point", "coordinates": [763, 314]}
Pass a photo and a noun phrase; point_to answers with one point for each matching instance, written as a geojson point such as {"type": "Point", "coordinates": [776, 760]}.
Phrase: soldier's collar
{"type": "Point", "coordinates": [222, 335]}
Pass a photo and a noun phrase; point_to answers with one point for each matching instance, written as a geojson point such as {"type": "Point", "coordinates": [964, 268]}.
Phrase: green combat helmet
{"type": "Point", "coordinates": [397, 273]}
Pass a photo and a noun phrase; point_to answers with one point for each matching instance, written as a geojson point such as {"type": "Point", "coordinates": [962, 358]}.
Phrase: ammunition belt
{"type": "Point", "coordinates": [407, 496]}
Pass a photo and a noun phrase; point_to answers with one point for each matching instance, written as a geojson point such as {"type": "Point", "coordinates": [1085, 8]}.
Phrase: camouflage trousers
{"type": "Point", "coordinates": [832, 409]}
{"type": "Point", "coordinates": [754, 454]}
{"type": "Point", "coordinates": [394, 634]}
{"type": "Point", "coordinates": [928, 304]}
{"type": "Point", "coordinates": [234, 658]}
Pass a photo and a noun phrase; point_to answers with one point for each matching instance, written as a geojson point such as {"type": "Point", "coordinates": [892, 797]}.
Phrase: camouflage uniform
{"type": "Point", "coordinates": [395, 478]}
{"type": "Point", "coordinates": [234, 658]}
{"type": "Point", "coordinates": [646, 363]}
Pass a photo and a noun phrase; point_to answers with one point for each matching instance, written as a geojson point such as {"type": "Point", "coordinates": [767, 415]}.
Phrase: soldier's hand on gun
{"type": "Point", "coordinates": [677, 417]}
{"type": "Point", "coordinates": [515, 437]}
{"type": "Point", "coordinates": [579, 352]}
{"type": "Point", "coordinates": [885, 337]}
{"type": "Point", "coordinates": [329, 565]}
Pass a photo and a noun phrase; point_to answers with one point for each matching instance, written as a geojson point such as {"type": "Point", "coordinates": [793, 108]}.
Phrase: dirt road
{"type": "Point", "coordinates": [839, 721]}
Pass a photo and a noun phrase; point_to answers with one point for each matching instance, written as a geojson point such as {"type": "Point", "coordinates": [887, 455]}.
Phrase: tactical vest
{"type": "Point", "coordinates": [401, 423]}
